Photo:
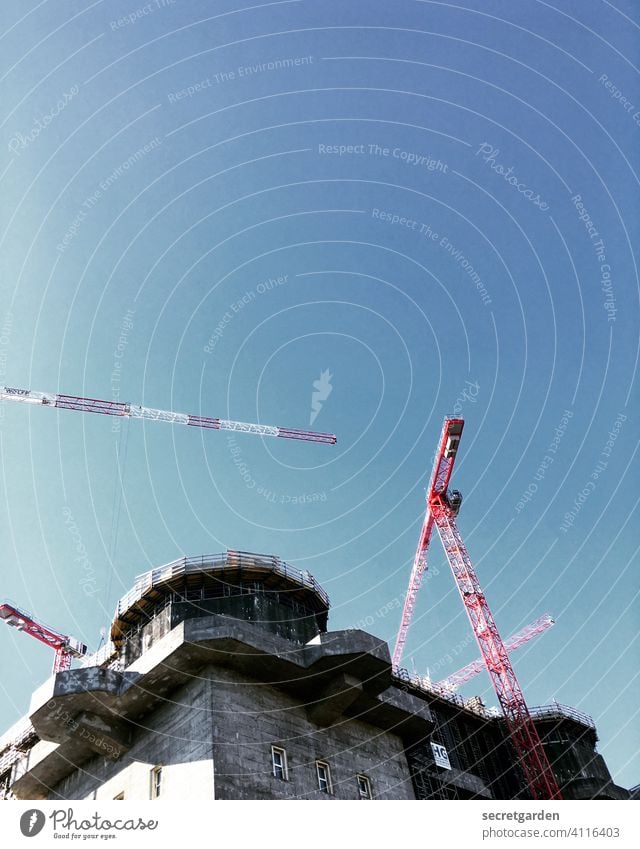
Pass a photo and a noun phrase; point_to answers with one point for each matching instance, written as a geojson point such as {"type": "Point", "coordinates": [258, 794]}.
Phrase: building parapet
{"type": "Point", "coordinates": [555, 710]}
{"type": "Point", "coordinates": [232, 560]}
{"type": "Point", "coordinates": [104, 656]}
{"type": "Point", "coordinates": [558, 711]}
{"type": "Point", "coordinates": [432, 689]}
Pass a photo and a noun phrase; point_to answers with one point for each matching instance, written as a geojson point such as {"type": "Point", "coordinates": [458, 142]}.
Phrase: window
{"type": "Point", "coordinates": [279, 763]}
{"type": "Point", "coordinates": [193, 595]}
{"type": "Point", "coordinates": [364, 787]}
{"type": "Point", "coordinates": [156, 781]}
{"type": "Point", "coordinates": [324, 777]}
{"type": "Point", "coordinates": [5, 785]}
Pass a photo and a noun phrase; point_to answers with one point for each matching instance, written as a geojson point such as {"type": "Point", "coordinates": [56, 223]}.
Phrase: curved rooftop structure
{"type": "Point", "coordinates": [557, 712]}
{"type": "Point", "coordinates": [243, 585]}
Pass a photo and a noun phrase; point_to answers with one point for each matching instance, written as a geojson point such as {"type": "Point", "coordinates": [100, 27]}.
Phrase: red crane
{"type": "Point", "coordinates": [442, 508]}
{"type": "Point", "coordinates": [135, 411]}
{"type": "Point", "coordinates": [65, 647]}
{"type": "Point", "coordinates": [514, 642]}
{"type": "Point", "coordinates": [442, 469]}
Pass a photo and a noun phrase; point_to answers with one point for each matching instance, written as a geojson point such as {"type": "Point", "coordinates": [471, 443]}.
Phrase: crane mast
{"type": "Point", "coordinates": [440, 476]}
{"type": "Point", "coordinates": [442, 507]}
{"type": "Point", "coordinates": [136, 411]}
{"type": "Point", "coordinates": [65, 647]}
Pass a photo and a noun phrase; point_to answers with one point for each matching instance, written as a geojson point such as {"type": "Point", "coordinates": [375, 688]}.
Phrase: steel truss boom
{"type": "Point", "coordinates": [135, 411]}
{"type": "Point", "coordinates": [65, 648]}
{"type": "Point", "coordinates": [442, 507]}
{"type": "Point", "coordinates": [514, 642]}
{"type": "Point", "coordinates": [440, 476]}
{"type": "Point", "coordinates": [533, 760]}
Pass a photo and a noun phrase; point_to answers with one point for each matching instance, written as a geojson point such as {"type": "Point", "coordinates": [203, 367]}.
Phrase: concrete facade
{"type": "Point", "coordinates": [332, 701]}
{"type": "Point", "coordinates": [216, 663]}
{"type": "Point", "coordinates": [213, 739]}
{"type": "Point", "coordinates": [248, 720]}
{"type": "Point", "coordinates": [570, 741]}
{"type": "Point", "coordinates": [175, 736]}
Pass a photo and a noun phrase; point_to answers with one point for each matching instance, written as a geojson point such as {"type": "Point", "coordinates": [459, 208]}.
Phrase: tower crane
{"type": "Point", "coordinates": [135, 411]}
{"type": "Point", "coordinates": [65, 648]}
{"type": "Point", "coordinates": [514, 642]}
{"type": "Point", "coordinates": [442, 508]}
{"type": "Point", "coordinates": [442, 468]}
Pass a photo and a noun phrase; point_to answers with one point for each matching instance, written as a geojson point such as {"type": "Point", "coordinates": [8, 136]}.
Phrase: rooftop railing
{"type": "Point", "coordinates": [433, 689]}
{"type": "Point", "coordinates": [104, 654]}
{"type": "Point", "coordinates": [555, 710]}
{"type": "Point", "coordinates": [231, 560]}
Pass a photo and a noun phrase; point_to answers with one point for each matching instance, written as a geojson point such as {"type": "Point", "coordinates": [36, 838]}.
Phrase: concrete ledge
{"type": "Point", "coordinates": [593, 788]}
{"type": "Point", "coordinates": [465, 781]}
{"type": "Point", "coordinates": [105, 737]}
{"type": "Point", "coordinates": [88, 711]}
{"type": "Point", "coordinates": [332, 702]}
{"type": "Point", "coordinates": [396, 711]}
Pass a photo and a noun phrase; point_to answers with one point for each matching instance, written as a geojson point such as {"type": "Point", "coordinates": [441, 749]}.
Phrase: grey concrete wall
{"type": "Point", "coordinates": [262, 609]}
{"type": "Point", "coordinates": [151, 631]}
{"type": "Point", "coordinates": [177, 736]}
{"type": "Point", "coordinates": [237, 720]}
{"type": "Point", "coordinates": [250, 717]}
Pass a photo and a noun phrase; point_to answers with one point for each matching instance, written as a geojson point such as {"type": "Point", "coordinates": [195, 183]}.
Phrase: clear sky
{"type": "Point", "coordinates": [206, 206]}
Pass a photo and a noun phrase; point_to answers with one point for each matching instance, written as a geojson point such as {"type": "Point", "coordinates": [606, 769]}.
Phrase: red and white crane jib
{"type": "Point", "coordinates": [445, 458]}
{"type": "Point", "coordinates": [514, 642]}
{"type": "Point", "coordinates": [415, 579]}
{"type": "Point", "coordinates": [136, 411]}
{"type": "Point", "coordinates": [64, 646]}
{"type": "Point", "coordinates": [440, 476]}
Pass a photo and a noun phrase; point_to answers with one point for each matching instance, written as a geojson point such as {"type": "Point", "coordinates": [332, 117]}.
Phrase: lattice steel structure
{"type": "Point", "coordinates": [135, 411]}
{"type": "Point", "coordinates": [442, 507]}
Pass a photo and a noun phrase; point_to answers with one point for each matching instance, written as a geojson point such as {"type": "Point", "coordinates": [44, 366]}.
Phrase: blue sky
{"type": "Point", "coordinates": [206, 206]}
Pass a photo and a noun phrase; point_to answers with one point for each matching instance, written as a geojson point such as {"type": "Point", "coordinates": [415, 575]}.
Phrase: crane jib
{"type": "Point", "coordinates": [136, 411]}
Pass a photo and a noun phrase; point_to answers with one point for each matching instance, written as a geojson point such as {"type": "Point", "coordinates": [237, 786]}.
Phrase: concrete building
{"type": "Point", "coordinates": [222, 681]}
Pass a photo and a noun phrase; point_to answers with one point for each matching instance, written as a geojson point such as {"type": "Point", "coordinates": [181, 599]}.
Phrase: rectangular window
{"type": "Point", "coordinates": [5, 785]}
{"type": "Point", "coordinates": [324, 777]}
{"type": "Point", "coordinates": [193, 595]}
{"type": "Point", "coordinates": [156, 781]}
{"type": "Point", "coordinates": [279, 763]}
{"type": "Point", "coordinates": [364, 787]}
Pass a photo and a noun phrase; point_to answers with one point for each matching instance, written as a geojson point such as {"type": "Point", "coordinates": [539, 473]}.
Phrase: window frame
{"type": "Point", "coordinates": [327, 780]}
{"type": "Point", "coordinates": [367, 781]}
{"type": "Point", "coordinates": [283, 765]}
{"type": "Point", "coordinates": [156, 781]}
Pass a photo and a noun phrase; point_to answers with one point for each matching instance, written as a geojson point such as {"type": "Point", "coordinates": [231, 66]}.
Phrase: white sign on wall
{"type": "Point", "coordinates": [440, 756]}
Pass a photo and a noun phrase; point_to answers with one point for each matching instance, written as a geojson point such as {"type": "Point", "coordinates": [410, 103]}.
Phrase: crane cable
{"type": "Point", "coordinates": [118, 491]}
